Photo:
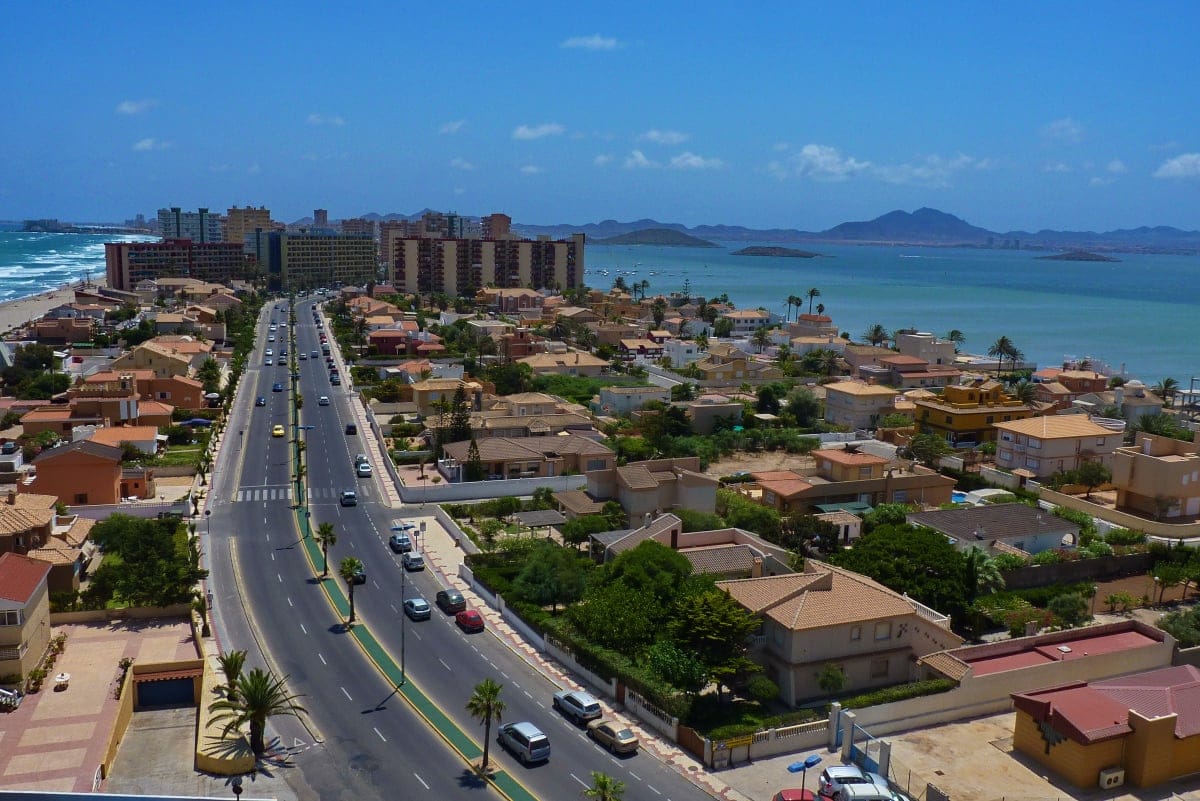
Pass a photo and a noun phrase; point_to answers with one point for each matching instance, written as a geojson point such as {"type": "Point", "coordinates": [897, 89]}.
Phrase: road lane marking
{"type": "Point", "coordinates": [422, 781]}
{"type": "Point", "coordinates": [417, 635]}
{"type": "Point", "coordinates": [272, 556]}
{"type": "Point", "coordinates": [539, 703]}
{"type": "Point", "coordinates": [447, 667]}
{"type": "Point", "coordinates": [528, 694]}
{"type": "Point", "coordinates": [582, 783]}
{"type": "Point", "coordinates": [289, 600]}
{"type": "Point", "coordinates": [505, 675]}
{"type": "Point", "coordinates": [381, 737]}
{"type": "Point", "coordinates": [343, 689]}
{"type": "Point", "coordinates": [279, 577]}
{"type": "Point", "coordinates": [651, 787]}
{"type": "Point", "coordinates": [322, 658]}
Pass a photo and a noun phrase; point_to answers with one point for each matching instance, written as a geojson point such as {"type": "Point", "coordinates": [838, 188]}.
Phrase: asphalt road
{"type": "Point", "coordinates": [374, 744]}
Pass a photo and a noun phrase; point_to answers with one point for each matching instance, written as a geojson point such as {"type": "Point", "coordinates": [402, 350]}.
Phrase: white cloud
{"type": "Point", "coordinates": [1098, 181]}
{"type": "Point", "coordinates": [459, 163]}
{"type": "Point", "coordinates": [150, 143]}
{"type": "Point", "coordinates": [602, 159]}
{"type": "Point", "coordinates": [1117, 167]}
{"type": "Point", "coordinates": [321, 119]}
{"type": "Point", "coordinates": [133, 106]}
{"type": "Point", "coordinates": [690, 161]}
{"type": "Point", "coordinates": [537, 131]}
{"type": "Point", "coordinates": [664, 137]}
{"type": "Point", "coordinates": [1186, 165]}
{"type": "Point", "coordinates": [932, 170]}
{"type": "Point", "coordinates": [593, 42]}
{"type": "Point", "coordinates": [452, 127]}
{"type": "Point", "coordinates": [1058, 166]}
{"type": "Point", "coordinates": [531, 169]}
{"type": "Point", "coordinates": [1064, 130]}
{"type": "Point", "coordinates": [637, 160]}
{"type": "Point", "coordinates": [825, 163]}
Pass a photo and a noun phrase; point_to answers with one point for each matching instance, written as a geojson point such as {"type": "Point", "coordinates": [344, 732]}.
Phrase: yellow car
{"type": "Point", "coordinates": [277, 431]}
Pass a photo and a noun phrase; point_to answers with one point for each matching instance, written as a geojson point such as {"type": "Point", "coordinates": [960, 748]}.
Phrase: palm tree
{"type": "Point", "coordinates": [485, 706]}
{"type": "Point", "coordinates": [876, 335]}
{"type": "Point", "coordinates": [957, 337]}
{"type": "Point", "coordinates": [349, 569]}
{"type": "Point", "coordinates": [231, 665]}
{"type": "Point", "coordinates": [326, 537]}
{"type": "Point", "coordinates": [820, 308]}
{"type": "Point", "coordinates": [761, 337]}
{"type": "Point", "coordinates": [1166, 390]}
{"type": "Point", "coordinates": [260, 696]}
{"type": "Point", "coordinates": [1025, 391]}
{"type": "Point", "coordinates": [812, 293]}
{"type": "Point", "coordinates": [605, 788]}
{"type": "Point", "coordinates": [798, 302]}
{"type": "Point", "coordinates": [1000, 348]}
{"type": "Point", "coordinates": [981, 576]}
{"type": "Point", "coordinates": [828, 362]}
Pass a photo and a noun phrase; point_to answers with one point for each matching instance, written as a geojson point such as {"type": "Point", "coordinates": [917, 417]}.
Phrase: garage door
{"type": "Point", "coordinates": [173, 692]}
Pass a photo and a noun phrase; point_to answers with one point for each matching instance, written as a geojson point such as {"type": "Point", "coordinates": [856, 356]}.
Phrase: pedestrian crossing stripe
{"type": "Point", "coordinates": [285, 494]}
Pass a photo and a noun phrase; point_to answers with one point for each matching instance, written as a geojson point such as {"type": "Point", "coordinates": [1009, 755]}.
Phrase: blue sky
{"type": "Point", "coordinates": [1011, 115]}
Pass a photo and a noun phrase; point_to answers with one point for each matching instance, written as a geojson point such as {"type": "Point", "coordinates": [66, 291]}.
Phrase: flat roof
{"type": "Point", "coordinates": [1043, 653]}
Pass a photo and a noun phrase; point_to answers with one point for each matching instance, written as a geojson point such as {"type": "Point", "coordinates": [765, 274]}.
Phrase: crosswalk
{"type": "Point", "coordinates": [284, 493]}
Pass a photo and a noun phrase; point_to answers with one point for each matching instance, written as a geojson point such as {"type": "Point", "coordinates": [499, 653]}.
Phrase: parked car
{"type": "Point", "coordinates": [794, 795]}
{"type": "Point", "coordinates": [613, 735]}
{"type": "Point", "coordinates": [413, 561]}
{"type": "Point", "coordinates": [303, 356]}
{"type": "Point", "coordinates": [400, 543]}
{"type": "Point", "coordinates": [360, 576]}
{"type": "Point", "coordinates": [835, 776]}
{"type": "Point", "coordinates": [577, 705]}
{"type": "Point", "coordinates": [469, 620]}
{"type": "Point", "coordinates": [524, 741]}
{"type": "Point", "coordinates": [335, 379]}
{"type": "Point", "coordinates": [450, 601]}
{"type": "Point", "coordinates": [349, 498]}
{"type": "Point", "coordinates": [260, 401]}
{"type": "Point", "coordinates": [417, 608]}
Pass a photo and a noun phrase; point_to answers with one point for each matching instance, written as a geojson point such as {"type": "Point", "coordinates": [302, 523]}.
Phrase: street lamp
{"type": "Point", "coordinates": [208, 522]}
{"type": "Point", "coordinates": [237, 786]}
{"type": "Point", "coordinates": [802, 766]}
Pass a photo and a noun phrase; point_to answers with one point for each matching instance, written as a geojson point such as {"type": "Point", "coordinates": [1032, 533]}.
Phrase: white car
{"type": "Point", "coordinates": [323, 400]}
{"type": "Point", "coordinates": [363, 469]}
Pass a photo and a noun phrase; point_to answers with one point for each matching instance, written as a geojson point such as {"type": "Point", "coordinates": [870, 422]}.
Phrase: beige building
{"type": "Point", "coordinates": [827, 617]}
{"type": "Point", "coordinates": [643, 488]}
{"type": "Point", "coordinates": [571, 363]}
{"type": "Point", "coordinates": [239, 222]}
{"type": "Point", "coordinates": [294, 261]}
{"type": "Point", "coordinates": [856, 405]}
{"type": "Point", "coordinates": [927, 347]}
{"type": "Point", "coordinates": [1158, 476]}
{"type": "Point", "coordinates": [529, 457]}
{"type": "Point", "coordinates": [463, 266]}
{"type": "Point", "coordinates": [24, 613]}
{"type": "Point", "coordinates": [1047, 445]}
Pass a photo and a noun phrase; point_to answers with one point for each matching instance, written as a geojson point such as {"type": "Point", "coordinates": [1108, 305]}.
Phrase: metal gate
{"type": "Point", "coordinates": [864, 750]}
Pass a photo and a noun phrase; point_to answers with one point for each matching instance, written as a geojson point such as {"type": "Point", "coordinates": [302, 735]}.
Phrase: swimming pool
{"type": "Point", "coordinates": [958, 497]}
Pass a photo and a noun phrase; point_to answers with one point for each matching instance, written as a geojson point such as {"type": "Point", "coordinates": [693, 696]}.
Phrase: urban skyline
{"type": "Point", "coordinates": [793, 116]}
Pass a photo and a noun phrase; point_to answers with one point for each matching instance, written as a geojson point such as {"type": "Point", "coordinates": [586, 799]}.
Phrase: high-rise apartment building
{"type": "Point", "coordinates": [239, 222]}
{"type": "Point", "coordinates": [198, 226]}
{"type": "Point", "coordinates": [495, 226]}
{"type": "Point", "coordinates": [320, 218]}
{"type": "Point", "coordinates": [461, 266]}
{"type": "Point", "coordinates": [358, 227]}
{"type": "Point", "coordinates": [127, 263]}
{"type": "Point", "coordinates": [310, 260]}
{"type": "Point", "coordinates": [391, 231]}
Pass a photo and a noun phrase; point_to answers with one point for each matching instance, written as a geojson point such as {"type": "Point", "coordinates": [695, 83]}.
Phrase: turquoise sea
{"type": "Point", "coordinates": [33, 263]}
{"type": "Point", "coordinates": [1142, 312]}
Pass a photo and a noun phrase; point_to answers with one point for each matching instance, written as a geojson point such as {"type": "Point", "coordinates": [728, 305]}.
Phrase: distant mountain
{"type": "Point", "coordinates": [923, 225]}
{"type": "Point", "coordinates": [663, 237]}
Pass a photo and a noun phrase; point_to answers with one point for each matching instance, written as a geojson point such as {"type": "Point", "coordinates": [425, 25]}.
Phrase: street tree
{"type": "Point", "coordinates": [349, 569]}
{"type": "Point", "coordinates": [605, 788]}
{"type": "Point", "coordinates": [715, 628]}
{"type": "Point", "coordinates": [326, 537]}
{"type": "Point", "coordinates": [486, 706]}
{"type": "Point", "coordinates": [231, 663]}
{"type": "Point", "coordinates": [260, 696]}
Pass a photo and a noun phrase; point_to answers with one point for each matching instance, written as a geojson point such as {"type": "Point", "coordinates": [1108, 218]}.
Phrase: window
{"type": "Point", "coordinates": [900, 496]}
{"type": "Point", "coordinates": [879, 668]}
{"type": "Point", "coordinates": [81, 499]}
{"type": "Point", "coordinates": [949, 420]}
{"type": "Point", "coordinates": [164, 396]}
{"type": "Point", "coordinates": [991, 419]}
{"type": "Point", "coordinates": [595, 464]}
{"type": "Point", "coordinates": [883, 631]}
{"type": "Point", "coordinates": [10, 653]}
{"type": "Point", "coordinates": [1100, 440]}
{"type": "Point", "coordinates": [856, 632]}
{"type": "Point", "coordinates": [1035, 443]}
{"type": "Point", "coordinates": [864, 472]}
{"type": "Point", "coordinates": [11, 617]}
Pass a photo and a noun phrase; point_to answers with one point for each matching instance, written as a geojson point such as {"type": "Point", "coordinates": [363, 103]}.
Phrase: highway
{"type": "Point", "coordinates": [267, 600]}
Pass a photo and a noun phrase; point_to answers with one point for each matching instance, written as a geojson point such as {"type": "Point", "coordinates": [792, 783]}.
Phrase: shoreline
{"type": "Point", "coordinates": [22, 311]}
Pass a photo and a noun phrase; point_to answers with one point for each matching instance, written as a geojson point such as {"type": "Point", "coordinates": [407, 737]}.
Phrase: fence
{"type": "Point", "coordinates": [1079, 570]}
{"type": "Point", "coordinates": [454, 530]}
{"type": "Point", "coordinates": [567, 659]}
{"type": "Point", "coordinates": [132, 613]}
{"type": "Point", "coordinates": [479, 490]}
{"type": "Point", "coordinates": [651, 715]}
{"type": "Point", "coordinates": [999, 478]}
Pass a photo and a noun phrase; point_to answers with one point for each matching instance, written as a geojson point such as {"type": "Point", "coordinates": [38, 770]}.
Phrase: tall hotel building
{"type": "Point", "coordinates": [198, 226]}
{"type": "Point", "coordinates": [462, 266]}
{"type": "Point", "coordinates": [310, 260]}
{"type": "Point", "coordinates": [128, 263]}
{"type": "Point", "coordinates": [358, 227]}
{"type": "Point", "coordinates": [239, 222]}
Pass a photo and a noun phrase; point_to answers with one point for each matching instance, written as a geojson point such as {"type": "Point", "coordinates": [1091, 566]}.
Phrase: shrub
{"type": "Point", "coordinates": [1071, 609]}
{"type": "Point", "coordinates": [1009, 561]}
{"type": "Point", "coordinates": [762, 689]}
{"type": "Point", "coordinates": [1016, 621]}
{"type": "Point", "coordinates": [1096, 549]}
{"type": "Point", "coordinates": [1124, 536]}
{"type": "Point", "coordinates": [1052, 557]}
{"type": "Point", "coordinates": [900, 692]}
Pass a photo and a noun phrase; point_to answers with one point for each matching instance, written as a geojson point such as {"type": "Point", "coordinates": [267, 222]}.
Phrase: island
{"type": "Point", "coordinates": [1078, 255]}
{"type": "Point", "coordinates": [663, 237]}
{"type": "Point", "coordinates": [787, 253]}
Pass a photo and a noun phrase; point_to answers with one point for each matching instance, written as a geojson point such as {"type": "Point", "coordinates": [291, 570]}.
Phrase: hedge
{"type": "Point", "coordinates": [901, 692]}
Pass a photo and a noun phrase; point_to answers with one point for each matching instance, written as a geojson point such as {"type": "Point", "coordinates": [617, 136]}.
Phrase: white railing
{"type": "Point", "coordinates": [932, 615]}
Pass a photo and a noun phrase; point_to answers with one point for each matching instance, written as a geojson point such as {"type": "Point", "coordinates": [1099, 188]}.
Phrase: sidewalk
{"type": "Point", "coordinates": [443, 556]}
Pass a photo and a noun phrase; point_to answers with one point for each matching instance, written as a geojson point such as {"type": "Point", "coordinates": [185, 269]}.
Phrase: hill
{"type": "Point", "coordinates": [663, 237]}
{"type": "Point", "coordinates": [787, 253]}
{"type": "Point", "coordinates": [923, 225]}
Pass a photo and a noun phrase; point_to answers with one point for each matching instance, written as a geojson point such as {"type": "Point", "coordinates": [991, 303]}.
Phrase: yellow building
{"type": "Point", "coordinates": [1142, 729]}
{"type": "Point", "coordinates": [965, 415]}
{"type": "Point", "coordinates": [1158, 476]}
{"type": "Point", "coordinates": [239, 222]}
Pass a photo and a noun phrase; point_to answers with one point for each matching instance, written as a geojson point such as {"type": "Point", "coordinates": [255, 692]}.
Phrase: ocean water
{"type": "Point", "coordinates": [33, 263]}
{"type": "Point", "coordinates": [1142, 312]}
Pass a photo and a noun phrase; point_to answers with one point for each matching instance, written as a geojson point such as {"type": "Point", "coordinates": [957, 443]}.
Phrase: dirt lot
{"type": "Point", "coordinates": [758, 462]}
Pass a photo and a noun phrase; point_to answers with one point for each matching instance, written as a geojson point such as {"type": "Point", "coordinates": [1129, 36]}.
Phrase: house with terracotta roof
{"type": "Point", "coordinates": [24, 613]}
{"type": "Point", "coordinates": [144, 438]}
{"type": "Point", "coordinates": [726, 365]}
{"type": "Point", "coordinates": [64, 330]}
{"type": "Point", "coordinates": [87, 472]}
{"type": "Point", "coordinates": [639, 349]}
{"type": "Point", "coordinates": [528, 457]}
{"type": "Point", "coordinates": [1014, 525]}
{"type": "Point", "coordinates": [908, 372]}
{"type": "Point", "coordinates": [828, 616]}
{"type": "Point", "coordinates": [30, 526]}
{"type": "Point", "coordinates": [857, 404]}
{"type": "Point", "coordinates": [966, 415]}
{"type": "Point", "coordinates": [1043, 446]}
{"type": "Point", "coordinates": [813, 325]}
{"type": "Point", "coordinates": [642, 488]}
{"type": "Point", "coordinates": [569, 363]}
{"type": "Point", "coordinates": [1132, 400]}
{"type": "Point", "coordinates": [160, 359]}
{"type": "Point", "coordinates": [1141, 729]}
{"type": "Point", "coordinates": [180, 392]}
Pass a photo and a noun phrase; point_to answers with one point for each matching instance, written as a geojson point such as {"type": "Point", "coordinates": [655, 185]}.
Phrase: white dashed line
{"type": "Point", "coordinates": [529, 695]}
{"type": "Point", "coordinates": [651, 787]}
{"type": "Point", "coordinates": [278, 576]}
{"type": "Point", "coordinates": [381, 737]}
{"type": "Point", "coordinates": [634, 775]}
{"type": "Point", "coordinates": [322, 658]}
{"type": "Point", "coordinates": [422, 781]}
{"type": "Point", "coordinates": [289, 600]}
{"type": "Point", "coordinates": [343, 689]}
{"type": "Point", "coordinates": [581, 781]}
{"type": "Point", "coordinates": [447, 667]}
{"type": "Point", "coordinates": [505, 675]}
{"type": "Point", "coordinates": [303, 629]}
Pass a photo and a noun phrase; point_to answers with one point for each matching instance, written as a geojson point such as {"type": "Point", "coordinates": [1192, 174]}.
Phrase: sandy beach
{"type": "Point", "coordinates": [20, 312]}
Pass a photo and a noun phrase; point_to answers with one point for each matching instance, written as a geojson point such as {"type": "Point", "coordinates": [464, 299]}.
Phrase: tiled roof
{"type": "Point", "coordinates": [946, 664]}
{"type": "Point", "coordinates": [115, 435]}
{"type": "Point", "coordinates": [81, 446]}
{"type": "Point", "coordinates": [55, 552]}
{"type": "Point", "coordinates": [845, 457]}
{"type": "Point", "coordinates": [1068, 426]}
{"type": "Point", "coordinates": [496, 449]}
{"type": "Point", "coordinates": [154, 408]}
{"type": "Point", "coordinates": [787, 487]}
{"type": "Point", "coordinates": [636, 476]}
{"type": "Point", "coordinates": [993, 521]}
{"type": "Point", "coordinates": [720, 559]}
{"type": "Point", "coordinates": [579, 502]}
{"type": "Point", "coordinates": [20, 577]}
{"type": "Point", "coordinates": [1054, 388]}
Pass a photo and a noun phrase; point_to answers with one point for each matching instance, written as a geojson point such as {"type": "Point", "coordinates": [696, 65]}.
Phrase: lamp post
{"type": "Point", "coordinates": [237, 786]}
{"type": "Point", "coordinates": [208, 522]}
{"type": "Point", "coordinates": [403, 584]}
{"type": "Point", "coordinates": [802, 766]}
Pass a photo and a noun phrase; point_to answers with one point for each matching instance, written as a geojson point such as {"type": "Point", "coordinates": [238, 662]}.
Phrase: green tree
{"type": "Point", "coordinates": [1166, 390]}
{"type": "Point", "coordinates": [1001, 349]}
{"type": "Point", "coordinates": [741, 512]}
{"type": "Point", "coordinates": [716, 628]}
{"type": "Point", "coordinates": [552, 575]}
{"type": "Point", "coordinates": [231, 664]}
{"type": "Point", "coordinates": [761, 338]}
{"type": "Point", "coordinates": [209, 374]}
{"type": "Point", "coordinates": [683, 392]}
{"type": "Point", "coordinates": [486, 706]}
{"type": "Point", "coordinates": [928, 448]}
{"type": "Point", "coordinates": [617, 616]}
{"type": "Point", "coordinates": [677, 666]}
{"type": "Point", "coordinates": [473, 469]}
{"type": "Point", "coordinates": [349, 569]}
{"type": "Point", "coordinates": [650, 568]}
{"type": "Point", "coordinates": [803, 407]}
{"type": "Point", "coordinates": [326, 537]}
{"type": "Point", "coordinates": [957, 337]}
{"type": "Point", "coordinates": [812, 294]}
{"type": "Point", "coordinates": [605, 788]}
{"type": "Point", "coordinates": [578, 530]}
{"type": "Point", "coordinates": [831, 679]}
{"type": "Point", "coordinates": [157, 566]}
{"type": "Point", "coordinates": [658, 310]}
{"type": "Point", "coordinates": [260, 697]}
{"type": "Point", "coordinates": [722, 328]}
{"type": "Point", "coordinates": [769, 398]}
{"type": "Point", "coordinates": [1183, 625]}
{"type": "Point", "coordinates": [1025, 391]}
{"type": "Point", "coordinates": [698, 521]}
{"type": "Point", "coordinates": [876, 335]}
{"type": "Point", "coordinates": [1070, 608]}
{"type": "Point", "coordinates": [981, 575]}
{"type": "Point", "coordinates": [1092, 474]}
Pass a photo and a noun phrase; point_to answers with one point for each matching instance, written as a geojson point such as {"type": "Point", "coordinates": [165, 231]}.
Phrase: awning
{"type": "Point", "coordinates": [168, 675]}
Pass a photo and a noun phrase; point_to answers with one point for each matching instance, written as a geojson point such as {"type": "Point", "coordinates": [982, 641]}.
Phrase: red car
{"type": "Point", "coordinates": [794, 795]}
{"type": "Point", "coordinates": [469, 620]}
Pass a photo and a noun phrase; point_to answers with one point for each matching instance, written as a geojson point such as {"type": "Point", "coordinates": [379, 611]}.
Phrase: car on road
{"type": "Point", "coordinates": [413, 561]}
{"type": "Point", "coordinates": [363, 470]}
{"type": "Point", "coordinates": [260, 401]}
{"type": "Point", "coordinates": [281, 361]}
{"type": "Point", "coordinates": [323, 400]}
{"type": "Point", "coordinates": [335, 379]}
{"type": "Point", "coordinates": [360, 576]}
{"type": "Point", "coordinates": [349, 498]}
{"type": "Point", "coordinates": [303, 356]}
{"type": "Point", "coordinates": [469, 620]}
{"type": "Point", "coordinates": [450, 601]}
{"type": "Point", "coordinates": [314, 355]}
{"type": "Point", "coordinates": [271, 338]}
{"type": "Point", "coordinates": [613, 735]}
{"type": "Point", "coordinates": [269, 352]}
{"type": "Point", "coordinates": [351, 428]}
{"type": "Point", "coordinates": [417, 608]}
{"type": "Point", "coordinates": [283, 351]}
{"type": "Point", "coordinates": [277, 387]}
{"type": "Point", "coordinates": [400, 543]}
{"type": "Point", "coordinates": [524, 741]}
{"type": "Point", "coordinates": [277, 431]}
{"type": "Point", "coordinates": [577, 705]}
